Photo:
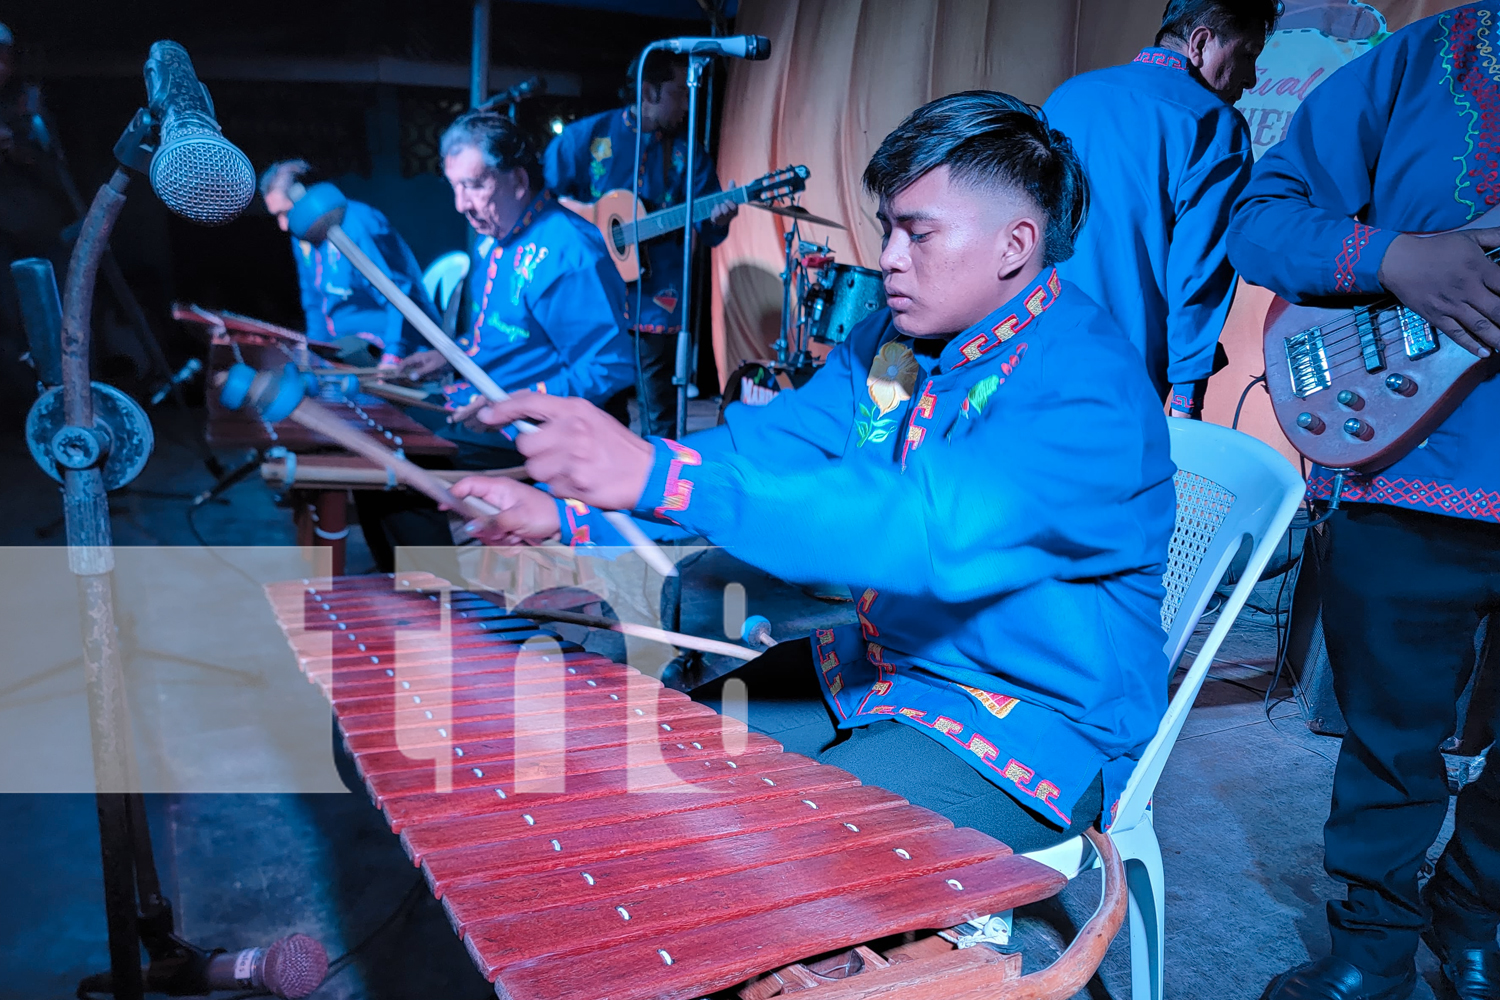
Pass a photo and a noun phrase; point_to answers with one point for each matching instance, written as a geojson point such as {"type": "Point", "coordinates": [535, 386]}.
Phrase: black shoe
{"type": "Point", "coordinates": [1470, 973]}
{"type": "Point", "coordinates": [1335, 979]}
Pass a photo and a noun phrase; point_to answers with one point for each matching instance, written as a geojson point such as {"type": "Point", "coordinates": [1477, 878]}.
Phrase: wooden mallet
{"type": "Point", "coordinates": [282, 396]}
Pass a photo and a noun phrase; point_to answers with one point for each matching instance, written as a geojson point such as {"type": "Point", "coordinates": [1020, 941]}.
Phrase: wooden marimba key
{"type": "Point", "coordinates": [590, 832]}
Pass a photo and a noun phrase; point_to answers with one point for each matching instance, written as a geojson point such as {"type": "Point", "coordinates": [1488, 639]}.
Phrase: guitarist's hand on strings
{"type": "Point", "coordinates": [1448, 281]}
{"type": "Point", "coordinates": [578, 450]}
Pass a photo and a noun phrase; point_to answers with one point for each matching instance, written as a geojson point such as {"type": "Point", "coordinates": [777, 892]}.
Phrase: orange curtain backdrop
{"type": "Point", "coordinates": [842, 74]}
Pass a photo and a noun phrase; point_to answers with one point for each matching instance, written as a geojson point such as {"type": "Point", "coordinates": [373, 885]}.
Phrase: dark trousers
{"type": "Point", "coordinates": [786, 703]}
{"type": "Point", "coordinates": [654, 390]}
{"type": "Point", "coordinates": [1403, 593]}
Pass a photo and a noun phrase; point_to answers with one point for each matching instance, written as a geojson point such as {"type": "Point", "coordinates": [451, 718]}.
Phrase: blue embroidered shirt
{"type": "Point", "coordinates": [339, 301]}
{"type": "Point", "coordinates": [1406, 138]}
{"type": "Point", "coordinates": [546, 311]}
{"type": "Point", "coordinates": [1165, 158]}
{"type": "Point", "coordinates": [1005, 529]}
{"type": "Point", "coordinates": [592, 157]}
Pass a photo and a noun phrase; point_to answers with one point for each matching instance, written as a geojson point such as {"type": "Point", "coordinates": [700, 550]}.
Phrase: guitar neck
{"type": "Point", "coordinates": [672, 219]}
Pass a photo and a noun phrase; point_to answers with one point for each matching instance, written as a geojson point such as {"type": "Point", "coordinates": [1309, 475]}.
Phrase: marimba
{"type": "Point", "coordinates": [591, 833]}
{"type": "Point", "coordinates": [319, 506]}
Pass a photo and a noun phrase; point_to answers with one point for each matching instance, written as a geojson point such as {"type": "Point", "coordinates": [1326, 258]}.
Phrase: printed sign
{"type": "Point", "coordinates": [1298, 56]}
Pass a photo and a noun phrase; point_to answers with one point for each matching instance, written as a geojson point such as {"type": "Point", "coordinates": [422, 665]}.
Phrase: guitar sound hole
{"type": "Point", "coordinates": [617, 236]}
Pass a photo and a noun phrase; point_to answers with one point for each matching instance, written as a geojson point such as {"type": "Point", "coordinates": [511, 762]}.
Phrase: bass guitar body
{"type": "Point", "coordinates": [613, 214]}
{"type": "Point", "coordinates": [1356, 388]}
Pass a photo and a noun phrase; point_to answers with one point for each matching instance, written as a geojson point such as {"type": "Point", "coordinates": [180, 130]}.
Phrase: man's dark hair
{"type": "Point", "coordinates": [1225, 18]}
{"type": "Point", "coordinates": [660, 68]}
{"type": "Point", "coordinates": [985, 137]}
{"type": "Point", "coordinates": [499, 140]}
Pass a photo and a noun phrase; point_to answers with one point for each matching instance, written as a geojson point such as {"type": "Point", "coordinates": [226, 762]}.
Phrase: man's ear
{"type": "Point", "coordinates": [1197, 45]}
{"type": "Point", "coordinates": [1020, 242]}
{"type": "Point", "coordinates": [521, 181]}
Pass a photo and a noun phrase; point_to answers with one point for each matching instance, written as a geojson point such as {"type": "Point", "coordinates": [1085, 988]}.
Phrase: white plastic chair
{"type": "Point", "coordinates": [1229, 486]}
{"type": "Point", "coordinates": [443, 276]}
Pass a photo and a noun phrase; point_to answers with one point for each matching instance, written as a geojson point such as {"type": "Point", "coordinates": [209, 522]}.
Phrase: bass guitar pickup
{"type": "Point", "coordinates": [1417, 335]}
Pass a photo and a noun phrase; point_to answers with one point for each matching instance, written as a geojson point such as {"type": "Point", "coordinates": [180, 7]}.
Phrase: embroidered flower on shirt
{"type": "Point", "coordinates": [980, 395]}
{"type": "Point", "coordinates": [528, 256]}
{"type": "Point", "coordinates": [893, 376]}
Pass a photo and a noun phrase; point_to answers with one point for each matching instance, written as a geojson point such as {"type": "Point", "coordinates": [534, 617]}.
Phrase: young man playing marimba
{"type": "Point", "coordinates": [985, 460]}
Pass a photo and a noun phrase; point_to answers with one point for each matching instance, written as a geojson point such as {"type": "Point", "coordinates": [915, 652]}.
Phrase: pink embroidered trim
{"type": "Point", "coordinates": [1156, 57]}
{"type": "Point", "coordinates": [1344, 264]}
{"type": "Point", "coordinates": [679, 491]}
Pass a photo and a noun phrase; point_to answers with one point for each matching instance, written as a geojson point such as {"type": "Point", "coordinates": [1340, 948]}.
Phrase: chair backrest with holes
{"type": "Point", "coordinates": [1229, 487]}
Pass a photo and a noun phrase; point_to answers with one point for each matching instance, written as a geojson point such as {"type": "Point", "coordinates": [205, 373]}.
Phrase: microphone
{"type": "Point", "coordinates": [530, 87]}
{"type": "Point", "coordinates": [290, 968]}
{"type": "Point", "coordinates": [196, 172]}
{"type": "Point", "coordinates": [752, 47]}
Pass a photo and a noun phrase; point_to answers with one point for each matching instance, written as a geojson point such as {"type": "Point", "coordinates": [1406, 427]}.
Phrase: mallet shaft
{"type": "Point", "coordinates": [479, 379]}
{"type": "Point", "coordinates": [645, 632]}
{"type": "Point", "coordinates": [314, 417]}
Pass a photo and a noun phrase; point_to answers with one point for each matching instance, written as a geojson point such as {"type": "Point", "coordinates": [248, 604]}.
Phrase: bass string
{"type": "Point", "coordinates": [1350, 365]}
{"type": "Point", "coordinates": [1333, 347]}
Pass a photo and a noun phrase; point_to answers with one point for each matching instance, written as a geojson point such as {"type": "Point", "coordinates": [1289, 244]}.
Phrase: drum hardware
{"type": "Point", "coordinates": [798, 214]}
{"type": "Point", "coordinates": [845, 294]}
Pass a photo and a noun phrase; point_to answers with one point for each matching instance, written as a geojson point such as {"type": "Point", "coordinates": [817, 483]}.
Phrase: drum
{"type": "Point", "coordinates": [843, 296]}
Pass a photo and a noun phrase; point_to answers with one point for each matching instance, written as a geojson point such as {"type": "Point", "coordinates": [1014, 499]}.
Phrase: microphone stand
{"type": "Point", "coordinates": [135, 910]}
{"type": "Point", "coordinates": [696, 63]}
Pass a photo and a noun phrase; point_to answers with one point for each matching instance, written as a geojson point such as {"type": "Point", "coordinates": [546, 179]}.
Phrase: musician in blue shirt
{"type": "Point", "coordinates": [1402, 140]}
{"type": "Point", "coordinates": [596, 155]}
{"type": "Point", "coordinates": [337, 300]}
{"type": "Point", "coordinates": [984, 460]}
{"type": "Point", "coordinates": [1167, 154]}
{"type": "Point", "coordinates": [546, 307]}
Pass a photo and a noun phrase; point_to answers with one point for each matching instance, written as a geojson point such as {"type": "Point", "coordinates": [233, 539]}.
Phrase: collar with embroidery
{"type": "Point", "coordinates": [489, 243]}
{"type": "Point", "coordinates": [1153, 55]}
{"type": "Point", "coordinates": [1002, 324]}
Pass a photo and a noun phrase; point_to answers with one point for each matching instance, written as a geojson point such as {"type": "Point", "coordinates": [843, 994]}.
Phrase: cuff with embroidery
{"type": "Point", "coordinates": [669, 488]}
{"type": "Point", "coordinates": [390, 359]}
{"type": "Point", "coordinates": [583, 525]}
{"type": "Point", "coordinates": [1356, 263]}
{"type": "Point", "coordinates": [1187, 397]}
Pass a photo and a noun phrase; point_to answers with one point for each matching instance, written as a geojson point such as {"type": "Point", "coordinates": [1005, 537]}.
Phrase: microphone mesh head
{"type": "Point", "coordinates": [203, 177]}
{"type": "Point", "coordinates": [295, 966]}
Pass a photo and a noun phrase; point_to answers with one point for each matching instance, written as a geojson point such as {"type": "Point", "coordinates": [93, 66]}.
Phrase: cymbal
{"type": "Point", "coordinates": [799, 213]}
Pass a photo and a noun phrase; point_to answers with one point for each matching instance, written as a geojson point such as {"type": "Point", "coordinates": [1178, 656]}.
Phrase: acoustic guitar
{"type": "Point", "coordinates": [1356, 388]}
{"type": "Point", "coordinates": [613, 214]}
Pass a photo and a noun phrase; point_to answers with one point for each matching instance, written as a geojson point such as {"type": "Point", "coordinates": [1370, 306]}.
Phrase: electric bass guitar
{"type": "Point", "coordinates": [613, 214]}
{"type": "Point", "coordinates": [1354, 389]}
